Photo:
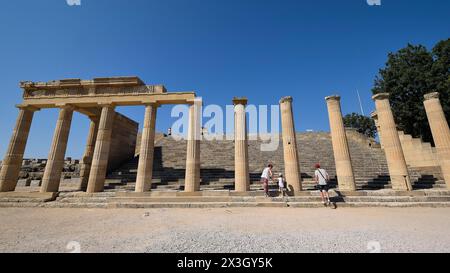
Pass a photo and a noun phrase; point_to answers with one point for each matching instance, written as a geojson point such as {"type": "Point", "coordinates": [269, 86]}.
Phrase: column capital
{"type": "Point", "coordinates": [94, 118]}
{"type": "Point", "coordinates": [153, 104]}
{"type": "Point", "coordinates": [333, 97]}
{"type": "Point", "coordinates": [286, 99]}
{"type": "Point", "coordinates": [430, 96]}
{"type": "Point", "coordinates": [196, 101]}
{"type": "Point", "coordinates": [106, 104]}
{"type": "Point", "coordinates": [241, 100]}
{"type": "Point", "coordinates": [381, 96]}
{"type": "Point", "coordinates": [65, 106]}
{"type": "Point", "coordinates": [374, 115]}
{"type": "Point", "coordinates": [27, 107]}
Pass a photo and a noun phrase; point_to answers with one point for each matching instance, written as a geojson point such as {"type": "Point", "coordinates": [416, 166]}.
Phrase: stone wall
{"type": "Point", "coordinates": [418, 154]}
{"type": "Point", "coordinates": [158, 137]}
{"type": "Point", "coordinates": [123, 142]}
{"type": "Point", "coordinates": [358, 137]}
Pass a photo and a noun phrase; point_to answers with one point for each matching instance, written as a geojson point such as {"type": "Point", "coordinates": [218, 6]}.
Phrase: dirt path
{"type": "Point", "coordinates": [225, 230]}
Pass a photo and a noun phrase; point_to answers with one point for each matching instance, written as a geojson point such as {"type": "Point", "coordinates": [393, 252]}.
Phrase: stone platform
{"type": "Point", "coordinates": [223, 199]}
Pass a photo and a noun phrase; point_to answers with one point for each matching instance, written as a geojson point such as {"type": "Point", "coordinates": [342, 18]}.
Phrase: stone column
{"type": "Point", "coordinates": [12, 162]}
{"type": "Point", "coordinates": [192, 179]}
{"type": "Point", "coordinates": [440, 131]}
{"type": "Point", "coordinates": [55, 161]}
{"type": "Point", "coordinates": [241, 169]}
{"type": "Point", "coordinates": [145, 167]}
{"type": "Point", "coordinates": [374, 116]}
{"type": "Point", "coordinates": [395, 158]}
{"type": "Point", "coordinates": [344, 169]}
{"type": "Point", "coordinates": [99, 166]}
{"type": "Point", "coordinates": [89, 153]}
{"type": "Point", "coordinates": [291, 160]}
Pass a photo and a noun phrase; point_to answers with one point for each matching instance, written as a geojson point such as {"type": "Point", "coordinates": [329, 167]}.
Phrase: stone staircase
{"type": "Point", "coordinates": [310, 199]}
{"type": "Point", "coordinates": [217, 163]}
{"type": "Point", "coordinates": [217, 180]}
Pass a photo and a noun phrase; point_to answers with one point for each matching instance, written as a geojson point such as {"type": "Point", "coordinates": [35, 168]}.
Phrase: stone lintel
{"type": "Point", "coordinates": [70, 83]}
{"type": "Point", "coordinates": [333, 97]}
{"type": "Point", "coordinates": [240, 100]}
{"type": "Point", "coordinates": [430, 96]}
{"type": "Point", "coordinates": [117, 99]}
{"type": "Point", "coordinates": [381, 96]}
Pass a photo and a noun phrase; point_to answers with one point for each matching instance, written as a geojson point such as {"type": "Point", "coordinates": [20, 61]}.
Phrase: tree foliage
{"type": "Point", "coordinates": [409, 74]}
{"type": "Point", "coordinates": [363, 124]}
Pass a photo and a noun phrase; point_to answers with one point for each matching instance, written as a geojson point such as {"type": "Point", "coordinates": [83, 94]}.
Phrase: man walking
{"type": "Point", "coordinates": [322, 178]}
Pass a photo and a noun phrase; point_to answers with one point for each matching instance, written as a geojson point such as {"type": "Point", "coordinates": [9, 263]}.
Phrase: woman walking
{"type": "Point", "coordinates": [265, 177]}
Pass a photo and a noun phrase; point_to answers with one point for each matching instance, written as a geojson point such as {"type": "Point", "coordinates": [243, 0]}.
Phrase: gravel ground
{"type": "Point", "coordinates": [245, 230]}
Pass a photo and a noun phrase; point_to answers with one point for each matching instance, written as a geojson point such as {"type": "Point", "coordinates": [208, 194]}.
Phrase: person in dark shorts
{"type": "Point", "coordinates": [322, 178]}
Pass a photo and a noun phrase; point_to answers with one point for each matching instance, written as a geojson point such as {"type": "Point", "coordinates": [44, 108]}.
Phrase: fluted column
{"type": "Point", "coordinates": [55, 161]}
{"type": "Point", "coordinates": [440, 131]}
{"type": "Point", "coordinates": [12, 162]}
{"type": "Point", "coordinates": [291, 159]}
{"type": "Point", "coordinates": [392, 146]}
{"type": "Point", "coordinates": [86, 162]}
{"type": "Point", "coordinates": [192, 179]}
{"type": "Point", "coordinates": [99, 166]}
{"type": "Point", "coordinates": [241, 169]}
{"type": "Point", "coordinates": [145, 167]}
{"type": "Point", "coordinates": [374, 116]}
{"type": "Point", "coordinates": [344, 169]}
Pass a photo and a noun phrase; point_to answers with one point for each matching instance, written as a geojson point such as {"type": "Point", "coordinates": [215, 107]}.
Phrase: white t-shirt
{"type": "Point", "coordinates": [281, 182]}
{"type": "Point", "coordinates": [322, 175]}
{"type": "Point", "coordinates": [266, 173]}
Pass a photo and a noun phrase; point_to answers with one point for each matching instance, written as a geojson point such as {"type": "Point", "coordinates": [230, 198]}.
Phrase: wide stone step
{"type": "Point", "coordinates": [197, 205]}
{"type": "Point", "coordinates": [91, 205]}
{"type": "Point", "coordinates": [83, 200]}
{"type": "Point", "coordinates": [372, 204]}
{"type": "Point", "coordinates": [20, 204]}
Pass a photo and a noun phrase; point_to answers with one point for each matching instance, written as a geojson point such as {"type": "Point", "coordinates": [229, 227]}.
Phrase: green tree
{"type": "Point", "coordinates": [409, 74]}
{"type": "Point", "coordinates": [440, 79]}
{"type": "Point", "coordinates": [363, 124]}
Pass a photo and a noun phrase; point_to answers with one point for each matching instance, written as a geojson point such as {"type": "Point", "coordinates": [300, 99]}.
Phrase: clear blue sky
{"type": "Point", "coordinates": [262, 49]}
